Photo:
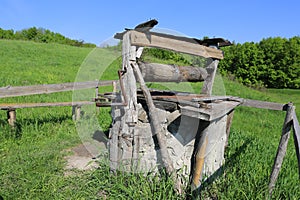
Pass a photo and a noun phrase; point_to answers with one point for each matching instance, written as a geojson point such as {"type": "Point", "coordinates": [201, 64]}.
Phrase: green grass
{"type": "Point", "coordinates": [31, 155]}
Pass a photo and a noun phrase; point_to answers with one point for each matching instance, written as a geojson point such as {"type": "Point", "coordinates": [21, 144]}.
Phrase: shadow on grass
{"type": "Point", "coordinates": [16, 130]}
{"type": "Point", "coordinates": [43, 120]}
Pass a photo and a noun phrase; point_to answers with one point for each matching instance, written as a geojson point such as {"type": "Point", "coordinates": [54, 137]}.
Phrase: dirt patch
{"type": "Point", "coordinates": [84, 156]}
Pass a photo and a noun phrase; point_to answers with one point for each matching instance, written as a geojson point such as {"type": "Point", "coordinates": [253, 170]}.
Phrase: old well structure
{"type": "Point", "coordinates": [178, 131]}
{"type": "Point", "coordinates": [183, 133]}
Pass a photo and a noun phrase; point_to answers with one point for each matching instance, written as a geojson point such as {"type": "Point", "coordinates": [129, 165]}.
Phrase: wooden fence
{"type": "Point", "coordinates": [14, 91]}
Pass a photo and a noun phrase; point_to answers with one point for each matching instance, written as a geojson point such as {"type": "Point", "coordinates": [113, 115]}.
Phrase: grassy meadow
{"type": "Point", "coordinates": [32, 155]}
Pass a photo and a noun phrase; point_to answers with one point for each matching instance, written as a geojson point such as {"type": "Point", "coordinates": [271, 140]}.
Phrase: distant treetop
{"type": "Point", "coordinates": [41, 35]}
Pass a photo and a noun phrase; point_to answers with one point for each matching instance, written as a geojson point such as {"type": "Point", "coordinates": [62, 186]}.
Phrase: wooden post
{"type": "Point", "coordinates": [209, 81]}
{"type": "Point", "coordinates": [122, 131]}
{"type": "Point", "coordinates": [282, 147]}
{"type": "Point", "coordinates": [154, 72]}
{"type": "Point", "coordinates": [296, 128]}
{"type": "Point", "coordinates": [156, 123]}
{"type": "Point", "coordinates": [199, 161]}
{"type": "Point", "coordinates": [76, 112]}
{"type": "Point", "coordinates": [11, 117]}
{"type": "Point", "coordinates": [228, 125]}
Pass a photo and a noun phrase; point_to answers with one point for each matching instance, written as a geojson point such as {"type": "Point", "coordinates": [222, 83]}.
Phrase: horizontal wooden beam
{"type": "Point", "coordinates": [211, 112]}
{"type": "Point", "coordinates": [14, 91]}
{"type": "Point", "coordinates": [154, 72]}
{"type": "Point", "coordinates": [260, 104]}
{"type": "Point", "coordinates": [189, 46]}
{"type": "Point", "coordinates": [13, 106]}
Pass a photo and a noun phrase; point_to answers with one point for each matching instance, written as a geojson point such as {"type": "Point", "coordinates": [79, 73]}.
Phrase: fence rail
{"type": "Point", "coordinates": [14, 91]}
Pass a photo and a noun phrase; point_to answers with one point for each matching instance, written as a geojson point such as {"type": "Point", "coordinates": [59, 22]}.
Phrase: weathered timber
{"type": "Point", "coordinates": [124, 117]}
{"type": "Point", "coordinates": [199, 161]}
{"type": "Point", "coordinates": [156, 123]}
{"type": "Point", "coordinates": [139, 52]}
{"type": "Point", "coordinates": [260, 104]}
{"type": "Point", "coordinates": [209, 152]}
{"type": "Point", "coordinates": [76, 112]}
{"type": "Point", "coordinates": [9, 106]}
{"type": "Point", "coordinates": [220, 42]}
{"type": "Point", "coordinates": [282, 146]}
{"type": "Point", "coordinates": [11, 117]}
{"type": "Point", "coordinates": [228, 125]}
{"type": "Point", "coordinates": [211, 112]}
{"type": "Point", "coordinates": [165, 41]}
{"type": "Point", "coordinates": [209, 81]}
{"type": "Point", "coordinates": [154, 72]}
{"type": "Point", "coordinates": [128, 56]}
{"type": "Point", "coordinates": [13, 91]}
{"type": "Point", "coordinates": [146, 26]}
{"type": "Point", "coordinates": [296, 135]}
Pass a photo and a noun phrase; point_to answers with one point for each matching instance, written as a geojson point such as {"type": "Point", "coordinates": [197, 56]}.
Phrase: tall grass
{"type": "Point", "coordinates": [32, 164]}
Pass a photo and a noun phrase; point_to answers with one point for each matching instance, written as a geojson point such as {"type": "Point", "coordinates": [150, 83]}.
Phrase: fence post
{"type": "Point", "coordinates": [282, 146]}
{"type": "Point", "coordinates": [11, 117]}
{"type": "Point", "coordinates": [76, 109]}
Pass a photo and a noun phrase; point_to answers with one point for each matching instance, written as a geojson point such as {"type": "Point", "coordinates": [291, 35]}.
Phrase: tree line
{"type": "Point", "coordinates": [41, 35]}
{"type": "Point", "coordinates": [272, 62]}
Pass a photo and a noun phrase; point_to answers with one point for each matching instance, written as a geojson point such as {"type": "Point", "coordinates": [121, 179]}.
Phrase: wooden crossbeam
{"type": "Point", "coordinates": [180, 44]}
{"type": "Point", "coordinates": [14, 91]}
{"type": "Point", "coordinates": [10, 106]}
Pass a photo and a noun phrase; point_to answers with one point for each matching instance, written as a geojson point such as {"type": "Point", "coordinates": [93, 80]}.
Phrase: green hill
{"type": "Point", "coordinates": [32, 161]}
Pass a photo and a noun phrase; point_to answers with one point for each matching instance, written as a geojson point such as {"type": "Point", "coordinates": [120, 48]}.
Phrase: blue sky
{"type": "Point", "coordinates": [95, 20]}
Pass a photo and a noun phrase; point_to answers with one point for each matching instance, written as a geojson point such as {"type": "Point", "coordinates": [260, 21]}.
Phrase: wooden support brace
{"type": "Point", "coordinates": [199, 161]}
{"type": "Point", "coordinates": [282, 146]}
{"type": "Point", "coordinates": [296, 128]}
{"type": "Point", "coordinates": [228, 125]}
{"type": "Point", "coordinates": [11, 117]}
{"type": "Point", "coordinates": [209, 81]}
{"type": "Point", "coordinates": [156, 124]}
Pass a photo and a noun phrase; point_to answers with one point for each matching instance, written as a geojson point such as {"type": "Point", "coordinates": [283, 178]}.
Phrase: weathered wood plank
{"type": "Point", "coordinates": [228, 125]}
{"type": "Point", "coordinates": [9, 106]}
{"type": "Point", "coordinates": [260, 104]}
{"type": "Point", "coordinates": [165, 41]}
{"type": "Point", "coordinates": [128, 56]}
{"type": "Point", "coordinates": [11, 117]}
{"type": "Point", "coordinates": [282, 147]}
{"type": "Point", "coordinates": [209, 81]}
{"type": "Point", "coordinates": [154, 72]}
{"type": "Point", "coordinates": [199, 161]}
{"type": "Point", "coordinates": [76, 112]}
{"type": "Point", "coordinates": [296, 128]}
{"type": "Point", "coordinates": [156, 123]}
{"type": "Point", "coordinates": [211, 112]}
{"type": "Point", "coordinates": [13, 91]}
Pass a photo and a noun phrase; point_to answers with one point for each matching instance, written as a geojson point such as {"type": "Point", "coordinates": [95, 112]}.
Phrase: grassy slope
{"type": "Point", "coordinates": [31, 164]}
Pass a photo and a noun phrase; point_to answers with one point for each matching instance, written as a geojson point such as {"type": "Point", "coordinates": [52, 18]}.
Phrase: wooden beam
{"type": "Point", "coordinates": [15, 91]}
{"type": "Point", "coordinates": [281, 147]}
{"type": "Point", "coordinates": [154, 72]}
{"type": "Point", "coordinates": [199, 161]}
{"type": "Point", "coordinates": [165, 41]}
{"type": "Point", "coordinates": [260, 104]}
{"type": "Point", "coordinates": [228, 125]}
{"type": "Point", "coordinates": [158, 130]}
{"type": "Point", "coordinates": [11, 117]}
{"type": "Point", "coordinates": [76, 112]}
{"type": "Point", "coordinates": [9, 106]}
{"type": "Point", "coordinates": [209, 81]}
{"type": "Point", "coordinates": [211, 112]}
{"type": "Point", "coordinates": [296, 128]}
